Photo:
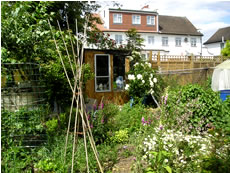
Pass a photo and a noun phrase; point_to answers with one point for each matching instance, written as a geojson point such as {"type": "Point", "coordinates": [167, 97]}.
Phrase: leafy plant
{"type": "Point", "coordinates": [120, 136]}
{"type": "Point", "coordinates": [52, 125]}
{"type": "Point", "coordinates": [143, 81]}
{"type": "Point", "coordinates": [195, 106]}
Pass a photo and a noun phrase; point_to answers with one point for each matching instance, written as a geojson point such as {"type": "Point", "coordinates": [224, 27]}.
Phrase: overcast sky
{"type": "Point", "coordinates": [206, 15]}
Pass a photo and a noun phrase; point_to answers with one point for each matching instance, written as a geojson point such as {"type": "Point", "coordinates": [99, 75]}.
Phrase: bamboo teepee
{"type": "Point", "coordinates": [77, 93]}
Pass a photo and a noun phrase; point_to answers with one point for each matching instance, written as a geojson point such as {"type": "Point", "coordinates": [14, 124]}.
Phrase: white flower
{"type": "Point", "coordinates": [130, 58]}
{"type": "Point", "coordinates": [131, 77]}
{"type": "Point", "coordinates": [151, 91]}
{"type": "Point", "coordinates": [151, 75]}
{"type": "Point", "coordinates": [139, 76]}
{"type": "Point", "coordinates": [126, 86]}
{"type": "Point", "coordinates": [155, 80]}
{"type": "Point", "coordinates": [151, 84]}
{"type": "Point", "coordinates": [166, 160]}
{"type": "Point", "coordinates": [143, 81]}
{"type": "Point", "coordinates": [136, 64]}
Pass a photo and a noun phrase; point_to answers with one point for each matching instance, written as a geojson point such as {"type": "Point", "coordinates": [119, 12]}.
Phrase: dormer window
{"type": "Point", "coordinates": [150, 20]}
{"type": "Point", "coordinates": [117, 18]}
{"type": "Point", "coordinates": [136, 19]}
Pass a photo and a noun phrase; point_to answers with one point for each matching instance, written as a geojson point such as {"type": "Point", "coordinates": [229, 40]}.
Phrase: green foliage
{"type": "Point", "coordinates": [226, 50]}
{"type": "Point", "coordinates": [120, 136]}
{"type": "Point", "coordinates": [19, 129]}
{"type": "Point", "coordinates": [218, 160]}
{"type": "Point", "coordinates": [27, 38]}
{"type": "Point", "coordinates": [102, 121]}
{"type": "Point", "coordinates": [52, 125]}
{"type": "Point", "coordinates": [130, 118]}
{"type": "Point", "coordinates": [143, 81]}
{"type": "Point", "coordinates": [194, 106]}
{"type": "Point", "coordinates": [134, 40]}
{"type": "Point", "coordinates": [46, 165]}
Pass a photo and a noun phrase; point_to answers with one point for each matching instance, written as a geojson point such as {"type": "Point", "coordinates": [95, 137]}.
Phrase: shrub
{"type": "Point", "coordinates": [143, 81]}
{"type": "Point", "coordinates": [102, 121]}
{"type": "Point", "coordinates": [131, 118]}
{"type": "Point", "coordinates": [194, 106]}
{"type": "Point", "coordinates": [120, 136]}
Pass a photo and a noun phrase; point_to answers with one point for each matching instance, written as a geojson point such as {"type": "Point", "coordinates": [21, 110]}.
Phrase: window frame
{"type": "Point", "coordinates": [148, 21]}
{"type": "Point", "coordinates": [163, 41]}
{"type": "Point", "coordinates": [180, 41]}
{"type": "Point", "coordinates": [117, 21]}
{"type": "Point", "coordinates": [152, 40]}
{"type": "Point", "coordinates": [193, 42]}
{"type": "Point", "coordinates": [134, 19]}
{"type": "Point", "coordinates": [120, 42]}
{"type": "Point", "coordinates": [95, 72]}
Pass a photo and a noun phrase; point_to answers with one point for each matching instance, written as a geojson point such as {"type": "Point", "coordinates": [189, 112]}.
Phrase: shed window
{"type": "Point", "coordinates": [102, 73]}
{"type": "Point", "coordinates": [118, 72]}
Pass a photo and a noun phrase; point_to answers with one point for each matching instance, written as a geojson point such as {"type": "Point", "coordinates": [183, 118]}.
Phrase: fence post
{"type": "Point", "coordinates": [151, 58]}
{"type": "Point", "coordinates": [158, 60]}
{"type": "Point", "coordinates": [191, 58]}
{"type": "Point", "coordinates": [127, 65]}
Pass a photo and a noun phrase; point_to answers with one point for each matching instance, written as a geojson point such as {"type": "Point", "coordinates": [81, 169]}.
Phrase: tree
{"type": "Point", "coordinates": [26, 37]}
{"type": "Point", "coordinates": [226, 50]}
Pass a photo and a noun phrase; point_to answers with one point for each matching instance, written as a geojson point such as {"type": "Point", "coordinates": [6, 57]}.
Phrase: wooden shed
{"type": "Point", "coordinates": [109, 67]}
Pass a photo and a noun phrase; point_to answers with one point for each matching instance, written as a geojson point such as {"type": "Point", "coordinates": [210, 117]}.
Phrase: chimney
{"type": "Point", "coordinates": [146, 6]}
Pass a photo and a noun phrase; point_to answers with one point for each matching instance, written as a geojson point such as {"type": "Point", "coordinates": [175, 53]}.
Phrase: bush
{"type": "Point", "coordinates": [131, 118]}
{"type": "Point", "coordinates": [143, 80]}
{"type": "Point", "coordinates": [102, 121]}
{"type": "Point", "coordinates": [193, 107]}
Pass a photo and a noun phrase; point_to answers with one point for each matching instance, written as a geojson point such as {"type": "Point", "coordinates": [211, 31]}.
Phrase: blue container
{"type": "Point", "coordinates": [224, 94]}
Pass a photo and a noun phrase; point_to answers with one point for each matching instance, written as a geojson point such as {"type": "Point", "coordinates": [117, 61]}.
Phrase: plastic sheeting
{"type": "Point", "coordinates": [221, 77]}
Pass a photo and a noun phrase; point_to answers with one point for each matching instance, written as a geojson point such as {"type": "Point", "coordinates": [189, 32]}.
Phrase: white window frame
{"type": "Point", "coordinates": [118, 38]}
{"type": "Point", "coordinates": [136, 19]}
{"type": "Point", "coordinates": [178, 40]}
{"type": "Point", "coordinates": [165, 40]}
{"type": "Point", "coordinates": [150, 40]}
{"type": "Point", "coordinates": [193, 42]}
{"type": "Point", "coordinates": [95, 72]}
{"type": "Point", "coordinates": [117, 18]}
{"type": "Point", "coordinates": [150, 20]}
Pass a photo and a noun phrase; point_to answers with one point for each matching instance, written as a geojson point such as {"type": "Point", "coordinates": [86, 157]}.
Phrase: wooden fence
{"type": "Point", "coordinates": [185, 69]}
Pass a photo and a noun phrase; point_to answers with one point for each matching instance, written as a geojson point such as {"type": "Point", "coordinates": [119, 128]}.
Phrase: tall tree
{"type": "Point", "coordinates": [26, 37]}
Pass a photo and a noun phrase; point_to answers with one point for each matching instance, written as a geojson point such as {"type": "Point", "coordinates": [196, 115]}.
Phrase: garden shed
{"type": "Point", "coordinates": [109, 67]}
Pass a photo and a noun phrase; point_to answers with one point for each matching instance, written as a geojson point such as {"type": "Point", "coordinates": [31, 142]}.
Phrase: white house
{"type": "Point", "coordinates": [169, 35]}
{"type": "Point", "coordinates": [214, 45]}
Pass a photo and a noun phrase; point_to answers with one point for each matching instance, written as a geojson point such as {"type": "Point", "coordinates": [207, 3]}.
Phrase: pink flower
{"type": "Point", "coordinates": [161, 127]}
{"type": "Point", "coordinates": [94, 107]}
{"type": "Point", "coordinates": [101, 106]}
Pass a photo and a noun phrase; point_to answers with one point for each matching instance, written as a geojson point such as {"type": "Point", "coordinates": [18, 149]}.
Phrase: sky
{"type": "Point", "coordinates": [206, 15]}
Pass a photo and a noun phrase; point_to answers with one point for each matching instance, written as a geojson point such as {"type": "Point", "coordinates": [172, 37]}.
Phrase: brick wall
{"type": "Point", "coordinates": [127, 22]}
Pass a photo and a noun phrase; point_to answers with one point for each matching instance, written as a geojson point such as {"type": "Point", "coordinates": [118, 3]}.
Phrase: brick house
{"type": "Point", "coordinates": [168, 35]}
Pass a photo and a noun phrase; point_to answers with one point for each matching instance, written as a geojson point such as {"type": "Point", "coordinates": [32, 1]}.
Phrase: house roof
{"type": "Point", "coordinates": [167, 25]}
{"type": "Point", "coordinates": [177, 25]}
{"type": "Point", "coordinates": [217, 36]}
{"type": "Point", "coordinates": [132, 11]}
